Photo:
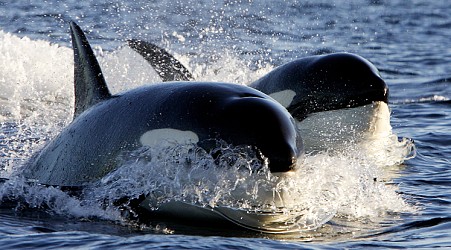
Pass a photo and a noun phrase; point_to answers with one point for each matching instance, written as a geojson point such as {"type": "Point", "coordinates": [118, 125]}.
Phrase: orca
{"type": "Point", "coordinates": [106, 126]}
{"type": "Point", "coordinates": [326, 82]}
{"type": "Point", "coordinates": [335, 98]}
{"type": "Point", "coordinates": [190, 112]}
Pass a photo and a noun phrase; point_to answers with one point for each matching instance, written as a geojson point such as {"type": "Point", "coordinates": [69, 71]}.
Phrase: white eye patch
{"type": "Point", "coordinates": [284, 97]}
{"type": "Point", "coordinates": [157, 136]}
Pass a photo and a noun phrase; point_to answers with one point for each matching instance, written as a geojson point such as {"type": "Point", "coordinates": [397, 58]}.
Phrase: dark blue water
{"type": "Point", "coordinates": [236, 41]}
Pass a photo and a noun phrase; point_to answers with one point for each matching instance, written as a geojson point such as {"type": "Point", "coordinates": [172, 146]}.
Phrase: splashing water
{"type": "Point", "coordinates": [35, 77]}
{"type": "Point", "coordinates": [53, 200]}
{"type": "Point", "coordinates": [37, 102]}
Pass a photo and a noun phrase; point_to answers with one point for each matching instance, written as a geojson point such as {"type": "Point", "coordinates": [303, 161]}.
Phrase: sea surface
{"type": "Point", "coordinates": [400, 198]}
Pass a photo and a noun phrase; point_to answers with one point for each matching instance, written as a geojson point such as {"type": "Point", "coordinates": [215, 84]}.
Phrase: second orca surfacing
{"type": "Point", "coordinates": [335, 98]}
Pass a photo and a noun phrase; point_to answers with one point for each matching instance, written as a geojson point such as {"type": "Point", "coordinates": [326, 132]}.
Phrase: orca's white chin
{"type": "Point", "coordinates": [274, 222]}
{"type": "Point", "coordinates": [275, 212]}
{"type": "Point", "coordinates": [332, 130]}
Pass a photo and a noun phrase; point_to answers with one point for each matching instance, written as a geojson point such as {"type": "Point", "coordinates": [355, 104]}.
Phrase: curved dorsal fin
{"type": "Point", "coordinates": [165, 64]}
{"type": "Point", "coordinates": [90, 86]}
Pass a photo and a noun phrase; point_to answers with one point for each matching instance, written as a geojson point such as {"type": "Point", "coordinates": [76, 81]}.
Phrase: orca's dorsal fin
{"type": "Point", "coordinates": [89, 84]}
{"type": "Point", "coordinates": [165, 64]}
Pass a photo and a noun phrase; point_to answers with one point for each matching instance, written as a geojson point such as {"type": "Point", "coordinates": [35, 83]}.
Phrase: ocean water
{"type": "Point", "coordinates": [398, 196]}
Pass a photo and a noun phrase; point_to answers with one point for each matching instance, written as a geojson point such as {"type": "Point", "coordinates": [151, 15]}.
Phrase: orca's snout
{"type": "Point", "coordinates": [281, 164]}
{"type": "Point", "coordinates": [266, 125]}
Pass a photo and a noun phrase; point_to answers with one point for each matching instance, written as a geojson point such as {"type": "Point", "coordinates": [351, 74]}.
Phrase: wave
{"type": "Point", "coordinates": [427, 99]}
{"type": "Point", "coordinates": [415, 225]}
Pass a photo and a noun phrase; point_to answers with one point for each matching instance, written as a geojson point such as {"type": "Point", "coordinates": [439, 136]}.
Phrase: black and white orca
{"type": "Point", "coordinates": [336, 98]}
{"type": "Point", "coordinates": [106, 126]}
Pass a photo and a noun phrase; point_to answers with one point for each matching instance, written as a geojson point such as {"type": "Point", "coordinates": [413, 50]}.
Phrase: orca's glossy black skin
{"type": "Point", "coordinates": [106, 126]}
{"type": "Point", "coordinates": [167, 67]}
{"type": "Point", "coordinates": [326, 82]}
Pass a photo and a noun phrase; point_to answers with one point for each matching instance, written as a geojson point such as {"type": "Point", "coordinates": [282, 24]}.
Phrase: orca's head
{"type": "Point", "coordinates": [336, 81]}
{"type": "Point", "coordinates": [321, 83]}
{"type": "Point", "coordinates": [258, 121]}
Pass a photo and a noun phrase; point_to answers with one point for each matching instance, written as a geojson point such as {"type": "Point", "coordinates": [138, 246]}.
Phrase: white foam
{"type": "Point", "coordinates": [39, 196]}
{"type": "Point", "coordinates": [226, 68]}
{"type": "Point", "coordinates": [343, 183]}
{"type": "Point", "coordinates": [33, 76]}
{"type": "Point", "coordinates": [124, 69]}
{"type": "Point", "coordinates": [434, 98]}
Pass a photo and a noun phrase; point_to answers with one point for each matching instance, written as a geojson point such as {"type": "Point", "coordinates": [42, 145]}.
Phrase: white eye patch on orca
{"type": "Point", "coordinates": [284, 97]}
{"type": "Point", "coordinates": [156, 136]}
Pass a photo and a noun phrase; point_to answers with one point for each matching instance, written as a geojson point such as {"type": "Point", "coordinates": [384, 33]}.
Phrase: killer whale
{"type": "Point", "coordinates": [106, 126]}
{"type": "Point", "coordinates": [193, 112]}
{"type": "Point", "coordinates": [304, 86]}
{"type": "Point", "coordinates": [324, 82]}
{"type": "Point", "coordinates": [335, 98]}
